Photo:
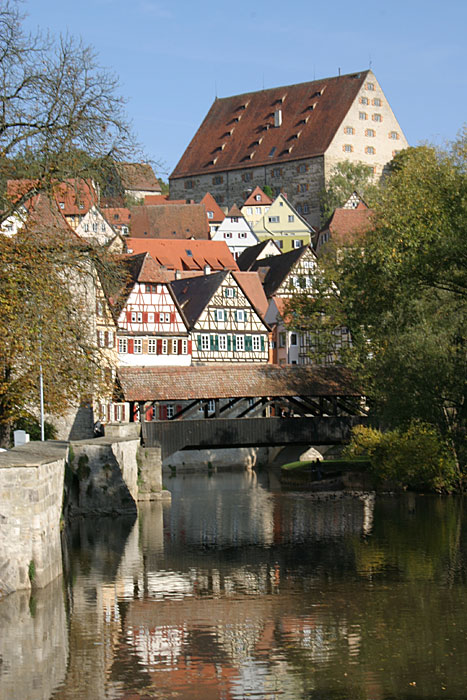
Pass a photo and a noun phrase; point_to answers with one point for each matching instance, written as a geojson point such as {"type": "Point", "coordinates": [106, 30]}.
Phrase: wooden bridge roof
{"type": "Point", "coordinates": [225, 381]}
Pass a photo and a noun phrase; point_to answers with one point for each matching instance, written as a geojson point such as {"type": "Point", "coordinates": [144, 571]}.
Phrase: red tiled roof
{"type": "Point", "coordinates": [173, 254]}
{"type": "Point", "coordinates": [138, 176]}
{"type": "Point", "coordinates": [117, 216]}
{"type": "Point", "coordinates": [210, 204]}
{"type": "Point", "coordinates": [232, 380]}
{"type": "Point", "coordinates": [235, 212]}
{"type": "Point", "coordinates": [153, 199]}
{"type": "Point", "coordinates": [73, 196]}
{"type": "Point", "coordinates": [251, 286]}
{"type": "Point", "coordinates": [251, 200]}
{"type": "Point", "coordinates": [239, 131]}
{"type": "Point", "coordinates": [347, 225]}
{"type": "Point", "coordinates": [177, 221]}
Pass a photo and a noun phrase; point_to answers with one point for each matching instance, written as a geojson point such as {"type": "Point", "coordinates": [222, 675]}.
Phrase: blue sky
{"type": "Point", "coordinates": [173, 58]}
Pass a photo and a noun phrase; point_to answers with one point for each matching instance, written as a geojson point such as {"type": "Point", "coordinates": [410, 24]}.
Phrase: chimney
{"type": "Point", "coordinates": [278, 117]}
{"type": "Point", "coordinates": [207, 269]}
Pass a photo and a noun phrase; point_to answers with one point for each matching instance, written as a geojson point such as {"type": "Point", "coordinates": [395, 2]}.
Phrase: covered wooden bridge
{"type": "Point", "coordinates": [250, 405]}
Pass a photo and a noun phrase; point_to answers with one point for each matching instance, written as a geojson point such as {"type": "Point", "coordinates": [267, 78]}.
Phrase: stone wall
{"type": "Point", "coordinates": [31, 494]}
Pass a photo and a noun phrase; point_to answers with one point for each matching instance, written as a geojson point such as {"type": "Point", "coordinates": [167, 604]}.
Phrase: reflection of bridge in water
{"type": "Point", "coordinates": [248, 432]}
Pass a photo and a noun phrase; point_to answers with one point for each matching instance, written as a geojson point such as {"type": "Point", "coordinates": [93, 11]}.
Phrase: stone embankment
{"type": "Point", "coordinates": [41, 483]}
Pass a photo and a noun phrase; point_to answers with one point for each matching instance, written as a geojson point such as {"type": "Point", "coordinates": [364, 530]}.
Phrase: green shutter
{"type": "Point", "coordinates": [229, 342]}
{"type": "Point", "coordinates": [216, 342]}
{"type": "Point", "coordinates": [248, 343]}
{"type": "Point", "coordinates": [199, 342]}
{"type": "Point", "coordinates": [234, 341]}
{"type": "Point", "coordinates": [212, 342]}
{"type": "Point", "coordinates": [262, 343]}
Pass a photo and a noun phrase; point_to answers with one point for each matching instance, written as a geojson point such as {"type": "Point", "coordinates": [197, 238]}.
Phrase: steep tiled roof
{"type": "Point", "coordinates": [347, 225]}
{"type": "Point", "coordinates": [117, 216]}
{"type": "Point", "coordinates": [252, 201]}
{"type": "Point", "coordinates": [73, 196]}
{"type": "Point", "coordinates": [175, 221]}
{"type": "Point", "coordinates": [233, 380]}
{"type": "Point", "coordinates": [194, 294]}
{"type": "Point", "coordinates": [45, 218]}
{"type": "Point", "coordinates": [235, 212]}
{"type": "Point", "coordinates": [251, 254]}
{"type": "Point", "coordinates": [276, 268]}
{"type": "Point", "coordinates": [210, 204]}
{"type": "Point", "coordinates": [138, 176]}
{"type": "Point", "coordinates": [239, 131]}
{"type": "Point", "coordinates": [185, 255]}
{"type": "Point", "coordinates": [251, 286]}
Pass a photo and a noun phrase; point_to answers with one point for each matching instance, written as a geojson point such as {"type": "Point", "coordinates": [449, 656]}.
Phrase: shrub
{"type": "Point", "coordinates": [416, 458]}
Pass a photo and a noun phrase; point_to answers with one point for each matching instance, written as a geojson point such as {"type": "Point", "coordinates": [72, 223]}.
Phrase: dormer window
{"type": "Point", "coordinates": [62, 205]}
{"type": "Point", "coordinates": [258, 198]}
{"type": "Point", "coordinates": [210, 214]}
{"type": "Point", "coordinates": [272, 151]}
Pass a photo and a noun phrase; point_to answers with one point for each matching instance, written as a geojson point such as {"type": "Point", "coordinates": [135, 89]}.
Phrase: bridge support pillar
{"type": "Point", "coordinates": [150, 474]}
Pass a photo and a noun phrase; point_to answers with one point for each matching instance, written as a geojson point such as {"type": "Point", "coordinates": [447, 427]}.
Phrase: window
{"type": "Point", "coordinates": [86, 228]}
{"type": "Point", "coordinates": [282, 340]}
{"type": "Point", "coordinates": [280, 243]}
{"type": "Point", "coordinates": [110, 339]}
{"type": "Point", "coordinates": [393, 135]}
{"type": "Point", "coordinates": [249, 211]}
{"type": "Point", "coordinates": [299, 208]}
{"type": "Point", "coordinates": [211, 405]}
{"type": "Point", "coordinates": [123, 345]}
{"type": "Point", "coordinates": [291, 218]}
{"type": "Point", "coordinates": [276, 172]}
{"type": "Point", "coordinates": [204, 342]}
{"type": "Point", "coordinates": [138, 346]}
{"type": "Point", "coordinates": [136, 317]}
{"type": "Point", "coordinates": [297, 243]}
{"type": "Point", "coordinates": [273, 219]}
{"type": "Point", "coordinates": [99, 308]}
{"type": "Point", "coordinates": [230, 292]}
{"type": "Point", "coordinates": [150, 288]}
{"type": "Point", "coordinates": [364, 101]}
{"type": "Point", "coordinates": [103, 227]}
{"type": "Point", "coordinates": [161, 318]}
{"type": "Point", "coordinates": [370, 86]}
{"type": "Point", "coordinates": [349, 130]}
{"type": "Point", "coordinates": [246, 177]}
{"type": "Point", "coordinates": [165, 346]}
{"type": "Point", "coordinates": [222, 343]}
{"type": "Point", "coordinates": [376, 102]}
{"type": "Point", "coordinates": [188, 184]}
{"type": "Point", "coordinates": [170, 411]}
{"type": "Point", "coordinates": [184, 342]}
{"type": "Point", "coordinates": [362, 115]}
{"type": "Point", "coordinates": [370, 132]}
{"type": "Point", "coordinates": [306, 209]}
{"type": "Point", "coordinates": [303, 187]}
{"type": "Point", "coordinates": [377, 118]}
{"type": "Point", "coordinates": [62, 205]}
{"type": "Point", "coordinates": [240, 315]}
{"type": "Point", "coordinates": [152, 346]}
{"type": "Point", "coordinates": [217, 180]}
{"type": "Point", "coordinates": [347, 148]}
{"type": "Point", "coordinates": [272, 151]}
{"type": "Point", "coordinates": [94, 228]}
{"type": "Point", "coordinates": [101, 339]}
{"type": "Point", "coordinates": [227, 234]}
{"type": "Point", "coordinates": [220, 315]}
{"type": "Point", "coordinates": [258, 197]}
{"type": "Point", "coordinates": [258, 210]}
{"type": "Point", "coordinates": [293, 339]}
{"type": "Point", "coordinates": [210, 214]}
{"type": "Point", "coordinates": [234, 219]}
{"type": "Point", "coordinates": [301, 168]}
{"type": "Point", "coordinates": [370, 150]}
{"type": "Point", "coordinates": [256, 343]}
{"type": "Point", "coordinates": [240, 342]}
{"type": "Point", "coordinates": [242, 234]}
{"type": "Point", "coordinates": [174, 349]}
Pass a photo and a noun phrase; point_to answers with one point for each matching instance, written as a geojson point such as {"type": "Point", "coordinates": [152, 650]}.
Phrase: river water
{"type": "Point", "coordinates": [238, 591]}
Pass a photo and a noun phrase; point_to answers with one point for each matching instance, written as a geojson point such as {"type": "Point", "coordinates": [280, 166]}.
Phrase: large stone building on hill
{"type": "Point", "coordinates": [288, 138]}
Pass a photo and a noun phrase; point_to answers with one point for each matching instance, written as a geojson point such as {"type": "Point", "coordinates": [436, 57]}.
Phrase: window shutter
{"type": "Point", "coordinates": [159, 346]}
{"type": "Point", "coordinates": [262, 343]}
{"type": "Point", "coordinates": [164, 412]}
{"type": "Point", "coordinates": [189, 347]}
{"type": "Point", "coordinates": [172, 317]}
{"type": "Point", "coordinates": [130, 346]}
{"type": "Point", "coordinates": [145, 316]}
{"type": "Point", "coordinates": [229, 343]}
{"type": "Point", "coordinates": [216, 342]}
{"type": "Point", "coordinates": [212, 342]}
{"type": "Point", "coordinates": [149, 414]}
{"type": "Point", "coordinates": [236, 315]}
{"type": "Point", "coordinates": [106, 339]}
{"type": "Point", "coordinates": [123, 413]}
{"type": "Point", "coordinates": [199, 342]}
{"type": "Point", "coordinates": [234, 342]}
{"type": "Point", "coordinates": [128, 316]}
{"type": "Point", "coordinates": [248, 344]}
{"type": "Point", "coordinates": [178, 408]}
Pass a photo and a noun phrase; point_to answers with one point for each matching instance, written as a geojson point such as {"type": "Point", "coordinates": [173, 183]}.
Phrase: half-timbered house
{"type": "Point", "coordinates": [152, 329]}
{"type": "Point", "coordinates": [225, 324]}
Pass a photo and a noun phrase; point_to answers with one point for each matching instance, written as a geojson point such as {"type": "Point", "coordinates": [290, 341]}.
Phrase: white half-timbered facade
{"type": "Point", "coordinates": [151, 328]}
{"type": "Point", "coordinates": [236, 232]}
{"type": "Point", "coordinates": [224, 324]}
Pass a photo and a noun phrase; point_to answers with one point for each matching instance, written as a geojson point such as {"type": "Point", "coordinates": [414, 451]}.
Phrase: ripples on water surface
{"type": "Point", "coordinates": [236, 592]}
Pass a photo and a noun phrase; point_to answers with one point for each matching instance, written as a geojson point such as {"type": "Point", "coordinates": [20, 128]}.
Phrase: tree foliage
{"type": "Point", "coordinates": [60, 114]}
{"type": "Point", "coordinates": [347, 177]}
{"type": "Point", "coordinates": [402, 293]}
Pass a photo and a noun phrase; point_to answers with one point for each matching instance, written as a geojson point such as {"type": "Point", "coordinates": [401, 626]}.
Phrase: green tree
{"type": "Point", "coordinates": [347, 177]}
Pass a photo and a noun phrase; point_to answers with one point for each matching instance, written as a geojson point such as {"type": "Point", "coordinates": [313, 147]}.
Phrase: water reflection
{"type": "Point", "coordinates": [235, 592]}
